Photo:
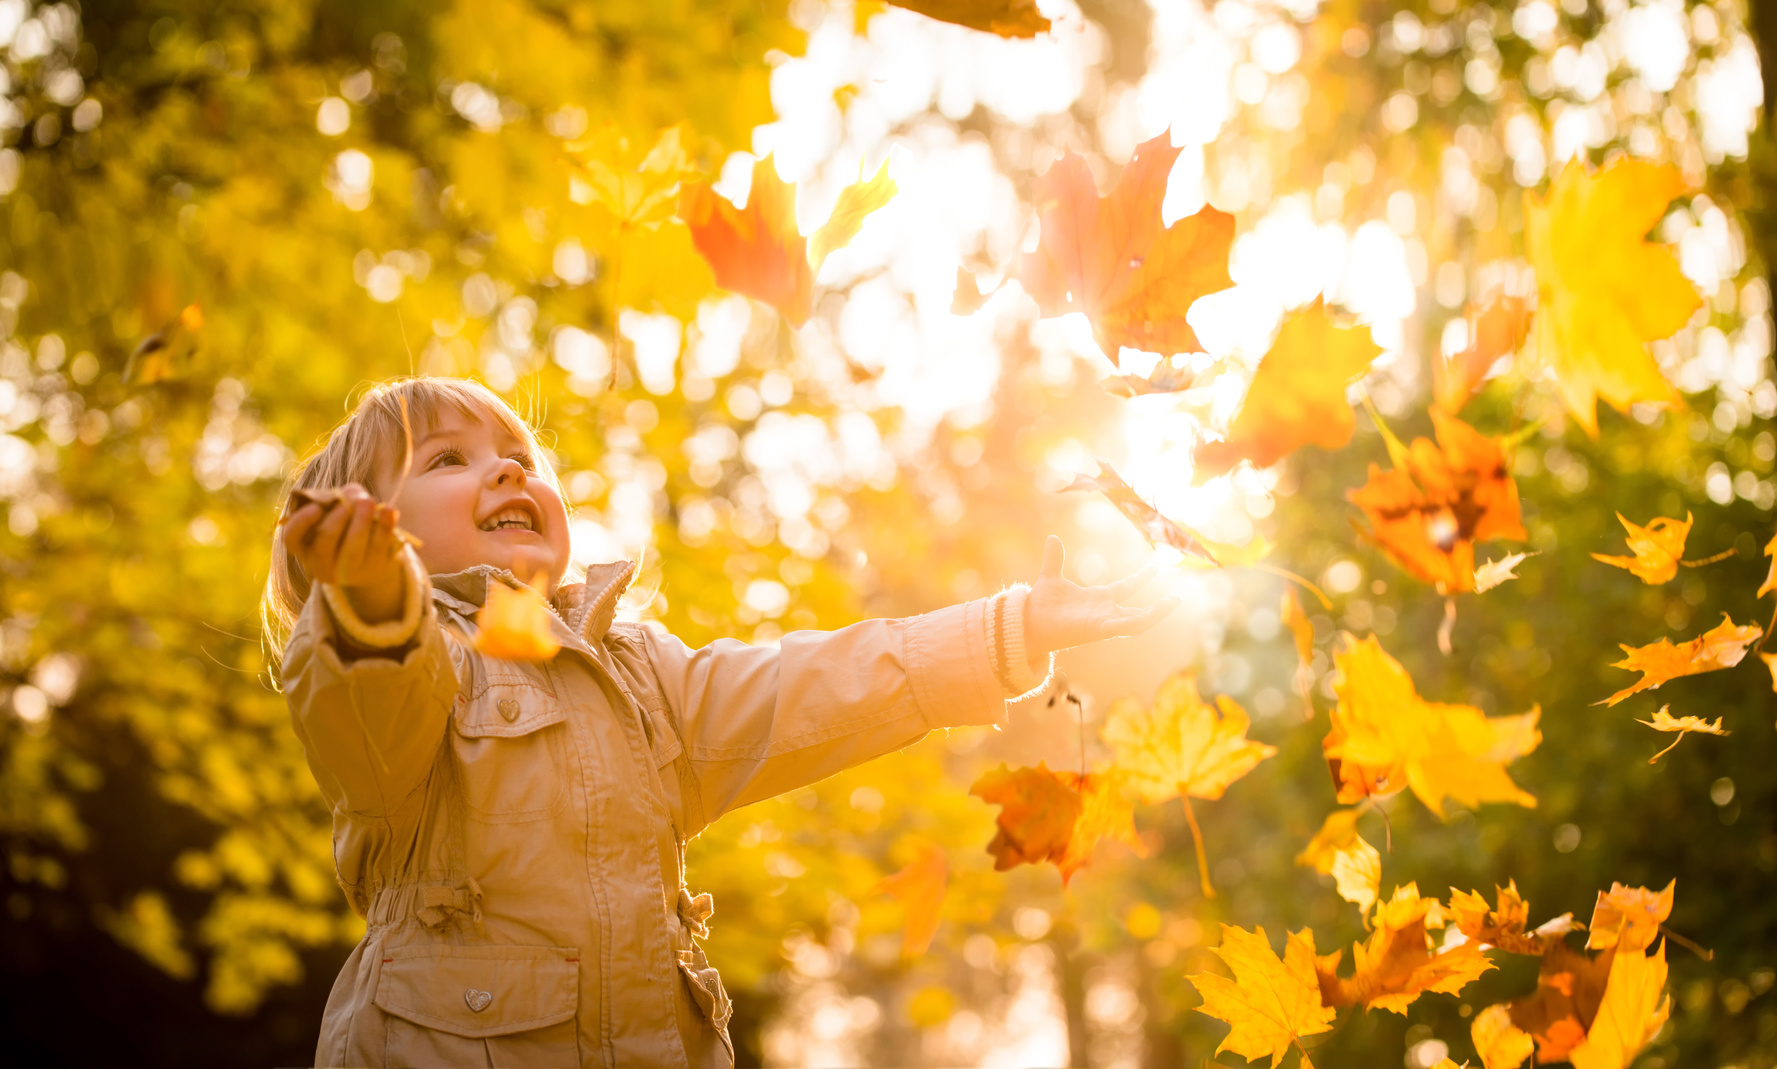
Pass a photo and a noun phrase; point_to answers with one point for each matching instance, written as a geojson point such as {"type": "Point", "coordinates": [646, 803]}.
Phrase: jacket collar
{"type": "Point", "coordinates": [587, 608]}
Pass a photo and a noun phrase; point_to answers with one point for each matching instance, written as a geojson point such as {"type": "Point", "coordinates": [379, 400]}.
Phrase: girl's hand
{"type": "Point", "coordinates": [1060, 614]}
{"type": "Point", "coordinates": [351, 543]}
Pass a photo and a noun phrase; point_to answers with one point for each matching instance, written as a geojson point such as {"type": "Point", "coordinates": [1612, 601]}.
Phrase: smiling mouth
{"type": "Point", "coordinates": [512, 519]}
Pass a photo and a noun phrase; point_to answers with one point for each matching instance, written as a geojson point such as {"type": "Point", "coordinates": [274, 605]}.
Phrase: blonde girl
{"type": "Point", "coordinates": [513, 833]}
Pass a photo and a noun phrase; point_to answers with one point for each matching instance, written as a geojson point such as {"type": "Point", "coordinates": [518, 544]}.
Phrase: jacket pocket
{"type": "Point", "coordinates": [509, 744]}
{"type": "Point", "coordinates": [479, 1005]}
{"type": "Point", "coordinates": [707, 992]}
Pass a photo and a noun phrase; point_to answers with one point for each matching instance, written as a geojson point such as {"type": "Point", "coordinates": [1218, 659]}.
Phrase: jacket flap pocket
{"type": "Point", "coordinates": [661, 735]}
{"type": "Point", "coordinates": [508, 710]}
{"type": "Point", "coordinates": [480, 991]}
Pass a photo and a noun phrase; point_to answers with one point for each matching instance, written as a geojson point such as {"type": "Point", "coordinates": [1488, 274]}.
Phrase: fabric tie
{"type": "Point", "coordinates": [438, 903]}
{"type": "Point", "coordinates": [695, 913]}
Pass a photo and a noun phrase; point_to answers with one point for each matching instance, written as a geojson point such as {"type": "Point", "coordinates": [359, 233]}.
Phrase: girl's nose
{"type": "Point", "coordinates": [509, 470]}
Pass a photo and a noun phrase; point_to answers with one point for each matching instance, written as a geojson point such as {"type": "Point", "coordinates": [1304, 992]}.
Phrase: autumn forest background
{"type": "Point", "coordinates": [220, 220]}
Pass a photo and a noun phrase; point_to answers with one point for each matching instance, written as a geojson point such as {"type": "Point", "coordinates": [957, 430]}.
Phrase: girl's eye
{"type": "Point", "coordinates": [524, 461]}
{"type": "Point", "coordinates": [449, 456]}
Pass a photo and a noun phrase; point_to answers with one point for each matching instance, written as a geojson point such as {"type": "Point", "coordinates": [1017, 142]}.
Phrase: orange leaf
{"type": "Point", "coordinates": [1272, 1002]}
{"type": "Point", "coordinates": [1657, 548]}
{"type": "Point", "coordinates": [1384, 737]}
{"type": "Point", "coordinates": [1428, 513]}
{"type": "Point", "coordinates": [856, 202]}
{"type": "Point", "coordinates": [755, 250]}
{"type": "Point", "coordinates": [968, 297]}
{"type": "Point", "coordinates": [1684, 725]}
{"type": "Point", "coordinates": [1722, 646]}
{"type": "Point", "coordinates": [1104, 814]}
{"type": "Point", "coordinates": [1603, 290]}
{"type": "Point", "coordinates": [1770, 582]}
{"type": "Point", "coordinates": [1397, 964]}
{"type": "Point", "coordinates": [1629, 918]}
{"type": "Point", "coordinates": [1111, 258]}
{"type": "Point", "coordinates": [1500, 1043]}
{"type": "Point", "coordinates": [1503, 926]}
{"type": "Point", "coordinates": [921, 885]}
{"type": "Point", "coordinates": [168, 352]}
{"type": "Point", "coordinates": [515, 625]}
{"type": "Point", "coordinates": [1633, 1011]}
{"type": "Point", "coordinates": [1569, 990]}
{"type": "Point", "coordinates": [1297, 396]}
{"type": "Point", "coordinates": [1038, 812]}
{"type": "Point", "coordinates": [1007, 18]}
{"type": "Point", "coordinates": [1495, 329]}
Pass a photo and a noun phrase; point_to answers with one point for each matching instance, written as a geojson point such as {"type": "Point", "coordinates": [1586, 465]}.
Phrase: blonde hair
{"type": "Point", "coordinates": [377, 431]}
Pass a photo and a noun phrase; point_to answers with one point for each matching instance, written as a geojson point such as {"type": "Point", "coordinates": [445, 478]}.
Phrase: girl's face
{"type": "Point", "coordinates": [473, 496]}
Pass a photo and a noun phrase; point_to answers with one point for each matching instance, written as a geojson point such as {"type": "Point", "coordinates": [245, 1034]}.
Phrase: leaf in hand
{"type": "Point", "coordinates": [1297, 396]}
{"type": "Point", "coordinates": [1683, 725]}
{"type": "Point", "coordinates": [1603, 290]}
{"type": "Point", "coordinates": [1656, 548]}
{"type": "Point", "coordinates": [921, 886]}
{"type": "Point", "coordinates": [1428, 513]}
{"type": "Point", "coordinates": [514, 625]}
{"type": "Point", "coordinates": [1629, 918]}
{"type": "Point", "coordinates": [1272, 1002]}
{"type": "Point", "coordinates": [1495, 329]}
{"type": "Point", "coordinates": [1397, 963]}
{"type": "Point", "coordinates": [1113, 258]}
{"type": "Point", "coordinates": [1633, 1011]}
{"type": "Point", "coordinates": [1384, 737]}
{"type": "Point", "coordinates": [1007, 18]}
{"type": "Point", "coordinates": [1722, 646]}
{"type": "Point", "coordinates": [1038, 812]}
{"type": "Point", "coordinates": [856, 201]}
{"type": "Point", "coordinates": [1339, 851]}
{"type": "Point", "coordinates": [1504, 924]}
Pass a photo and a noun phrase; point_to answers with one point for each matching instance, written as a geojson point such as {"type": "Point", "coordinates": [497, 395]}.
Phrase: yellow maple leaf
{"type": "Point", "coordinates": [1297, 396]}
{"type": "Point", "coordinates": [1105, 813]}
{"type": "Point", "coordinates": [1271, 1003]}
{"type": "Point", "coordinates": [1385, 737]}
{"type": "Point", "coordinates": [1656, 548]}
{"type": "Point", "coordinates": [921, 886]}
{"type": "Point", "coordinates": [1339, 851]}
{"type": "Point", "coordinates": [1722, 646]}
{"type": "Point", "coordinates": [1683, 725]}
{"type": "Point", "coordinates": [1500, 1043]}
{"type": "Point", "coordinates": [1503, 925]}
{"type": "Point", "coordinates": [1182, 748]}
{"type": "Point", "coordinates": [515, 625]}
{"type": "Point", "coordinates": [640, 189]}
{"type": "Point", "coordinates": [1634, 1009]}
{"type": "Point", "coordinates": [1397, 963]}
{"type": "Point", "coordinates": [1603, 290]}
{"type": "Point", "coordinates": [1629, 918]}
{"type": "Point", "coordinates": [856, 201]}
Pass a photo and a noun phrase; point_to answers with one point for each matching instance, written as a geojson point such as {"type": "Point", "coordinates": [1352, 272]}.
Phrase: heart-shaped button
{"type": "Point", "coordinates": [478, 1000]}
{"type": "Point", "coordinates": [508, 708]}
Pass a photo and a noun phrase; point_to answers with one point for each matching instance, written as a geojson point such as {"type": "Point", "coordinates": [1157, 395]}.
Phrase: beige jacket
{"type": "Point", "coordinates": [514, 833]}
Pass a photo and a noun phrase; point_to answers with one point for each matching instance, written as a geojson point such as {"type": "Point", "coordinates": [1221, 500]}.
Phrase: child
{"type": "Point", "coordinates": [513, 833]}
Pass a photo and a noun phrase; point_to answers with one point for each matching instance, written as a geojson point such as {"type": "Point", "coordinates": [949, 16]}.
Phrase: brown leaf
{"type": "Point", "coordinates": [1038, 811]}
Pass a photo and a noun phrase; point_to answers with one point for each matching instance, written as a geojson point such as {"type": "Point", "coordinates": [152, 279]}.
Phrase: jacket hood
{"type": "Point", "coordinates": [587, 608]}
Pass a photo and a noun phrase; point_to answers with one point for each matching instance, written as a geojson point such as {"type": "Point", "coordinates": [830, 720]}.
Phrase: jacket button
{"type": "Point", "coordinates": [478, 1000]}
{"type": "Point", "coordinates": [509, 708]}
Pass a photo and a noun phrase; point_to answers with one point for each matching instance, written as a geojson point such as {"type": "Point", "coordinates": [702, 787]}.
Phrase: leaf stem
{"type": "Point", "coordinates": [1325, 602]}
{"type": "Point", "coordinates": [1723, 555]}
{"type": "Point", "coordinates": [1197, 841]}
{"type": "Point", "coordinates": [1706, 955]}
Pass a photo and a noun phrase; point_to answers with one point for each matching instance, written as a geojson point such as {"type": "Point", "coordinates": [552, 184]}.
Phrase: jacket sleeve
{"type": "Point", "coordinates": [370, 703]}
{"type": "Point", "coordinates": [757, 721]}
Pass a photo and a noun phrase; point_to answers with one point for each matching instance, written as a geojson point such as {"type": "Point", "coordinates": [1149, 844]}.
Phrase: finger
{"type": "Point", "coordinates": [1128, 585]}
{"type": "Point", "coordinates": [1135, 621]}
{"type": "Point", "coordinates": [298, 524]}
{"type": "Point", "coordinates": [355, 545]}
{"type": "Point", "coordinates": [1053, 553]}
{"type": "Point", "coordinates": [325, 541]}
{"type": "Point", "coordinates": [382, 545]}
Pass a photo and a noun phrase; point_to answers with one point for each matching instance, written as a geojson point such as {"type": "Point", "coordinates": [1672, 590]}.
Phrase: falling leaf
{"type": "Point", "coordinates": [1297, 396]}
{"type": "Point", "coordinates": [1105, 813]}
{"type": "Point", "coordinates": [1161, 530]}
{"type": "Point", "coordinates": [1770, 660]}
{"type": "Point", "coordinates": [166, 354]}
{"type": "Point", "coordinates": [856, 201]}
{"type": "Point", "coordinates": [1504, 924]}
{"type": "Point", "coordinates": [1165, 378]}
{"type": "Point", "coordinates": [514, 625]}
{"type": "Point", "coordinates": [1665, 721]}
{"type": "Point", "coordinates": [1397, 963]}
{"type": "Point", "coordinates": [1634, 1009]}
{"type": "Point", "coordinates": [1384, 737]}
{"type": "Point", "coordinates": [1182, 745]}
{"type": "Point", "coordinates": [1657, 548]}
{"type": "Point", "coordinates": [968, 298]}
{"type": "Point", "coordinates": [1603, 290]}
{"type": "Point", "coordinates": [1007, 18]}
{"type": "Point", "coordinates": [1038, 811]}
{"type": "Point", "coordinates": [1770, 582]}
{"type": "Point", "coordinates": [1629, 918]}
{"type": "Point", "coordinates": [1271, 1003]}
{"type": "Point", "coordinates": [637, 192]}
{"type": "Point", "coordinates": [1722, 646]}
{"type": "Point", "coordinates": [1428, 512]}
{"type": "Point", "coordinates": [1494, 572]}
{"type": "Point", "coordinates": [1495, 329]}
{"type": "Point", "coordinates": [1302, 630]}
{"type": "Point", "coordinates": [1339, 851]}
{"type": "Point", "coordinates": [1500, 1043]}
{"type": "Point", "coordinates": [921, 886]}
{"type": "Point", "coordinates": [1112, 258]}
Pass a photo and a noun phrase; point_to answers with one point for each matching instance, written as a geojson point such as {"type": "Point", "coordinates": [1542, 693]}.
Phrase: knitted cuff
{"type": "Point", "coordinates": [391, 633]}
{"type": "Point", "coordinates": [1005, 632]}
